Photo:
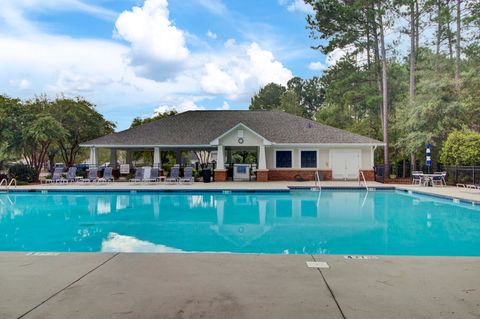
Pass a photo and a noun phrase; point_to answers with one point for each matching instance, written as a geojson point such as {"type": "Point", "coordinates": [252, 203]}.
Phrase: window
{"type": "Point", "coordinates": [283, 159]}
{"type": "Point", "coordinates": [308, 159]}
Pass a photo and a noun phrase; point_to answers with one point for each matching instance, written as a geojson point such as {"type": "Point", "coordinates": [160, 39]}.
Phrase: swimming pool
{"type": "Point", "coordinates": [296, 222]}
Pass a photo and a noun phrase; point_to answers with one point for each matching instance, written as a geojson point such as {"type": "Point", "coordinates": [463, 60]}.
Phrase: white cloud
{"type": "Point", "coordinates": [214, 6]}
{"type": "Point", "coordinates": [216, 81]}
{"type": "Point", "coordinates": [22, 84]}
{"type": "Point", "coordinates": [241, 70]}
{"type": "Point", "coordinates": [212, 35]}
{"type": "Point", "coordinates": [224, 107]}
{"type": "Point", "coordinates": [181, 104]}
{"type": "Point", "coordinates": [12, 12]}
{"type": "Point", "coordinates": [158, 49]}
{"type": "Point", "coordinates": [317, 66]}
{"type": "Point", "coordinates": [297, 6]}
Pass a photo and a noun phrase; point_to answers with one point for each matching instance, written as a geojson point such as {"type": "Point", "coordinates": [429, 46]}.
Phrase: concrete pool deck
{"type": "Point", "coordinates": [103, 285]}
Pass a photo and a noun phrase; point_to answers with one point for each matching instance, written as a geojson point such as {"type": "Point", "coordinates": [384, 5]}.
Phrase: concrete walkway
{"type": "Point", "coordinates": [236, 286]}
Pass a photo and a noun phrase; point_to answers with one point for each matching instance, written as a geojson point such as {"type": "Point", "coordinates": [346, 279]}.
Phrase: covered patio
{"type": "Point", "coordinates": [253, 145]}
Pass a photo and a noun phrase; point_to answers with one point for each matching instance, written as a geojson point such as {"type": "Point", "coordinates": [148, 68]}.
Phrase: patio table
{"type": "Point", "coordinates": [428, 179]}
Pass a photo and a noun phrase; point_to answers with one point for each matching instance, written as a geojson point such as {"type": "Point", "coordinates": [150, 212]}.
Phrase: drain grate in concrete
{"type": "Point", "coordinates": [317, 264]}
{"type": "Point", "coordinates": [360, 257]}
{"type": "Point", "coordinates": [43, 254]}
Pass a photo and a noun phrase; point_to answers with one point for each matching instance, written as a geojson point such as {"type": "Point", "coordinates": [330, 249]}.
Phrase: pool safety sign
{"type": "Point", "coordinates": [429, 156]}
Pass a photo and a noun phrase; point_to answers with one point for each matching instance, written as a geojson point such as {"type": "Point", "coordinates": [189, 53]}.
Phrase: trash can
{"type": "Point", "coordinates": [207, 175]}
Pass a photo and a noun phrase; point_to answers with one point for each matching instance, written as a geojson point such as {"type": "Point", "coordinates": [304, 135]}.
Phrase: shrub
{"type": "Point", "coordinates": [461, 148]}
{"type": "Point", "coordinates": [22, 172]}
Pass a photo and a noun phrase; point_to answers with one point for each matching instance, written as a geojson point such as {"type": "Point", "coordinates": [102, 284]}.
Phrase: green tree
{"type": "Point", "coordinates": [461, 148]}
{"type": "Point", "coordinates": [268, 98]}
{"type": "Point", "coordinates": [290, 103]}
{"type": "Point", "coordinates": [81, 122]}
{"type": "Point", "coordinates": [157, 116]}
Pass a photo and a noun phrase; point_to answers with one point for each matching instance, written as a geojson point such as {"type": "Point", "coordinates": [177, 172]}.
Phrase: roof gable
{"type": "Point", "coordinates": [237, 127]}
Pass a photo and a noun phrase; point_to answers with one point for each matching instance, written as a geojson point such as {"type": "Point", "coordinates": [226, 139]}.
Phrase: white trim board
{"type": "Point", "coordinates": [216, 141]}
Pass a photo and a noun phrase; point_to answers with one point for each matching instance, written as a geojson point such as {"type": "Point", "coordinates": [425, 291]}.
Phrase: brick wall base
{"type": "Point", "coordinates": [220, 175]}
{"type": "Point", "coordinates": [262, 175]}
{"type": "Point", "coordinates": [293, 175]}
{"type": "Point", "coordinates": [369, 175]}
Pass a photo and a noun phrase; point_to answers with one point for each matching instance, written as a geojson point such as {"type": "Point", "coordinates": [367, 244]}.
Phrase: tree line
{"type": "Point", "coordinates": [41, 129]}
{"type": "Point", "coordinates": [406, 94]}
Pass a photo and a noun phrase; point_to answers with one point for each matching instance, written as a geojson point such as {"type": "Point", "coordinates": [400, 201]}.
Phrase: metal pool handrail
{"type": "Point", "coordinates": [12, 181]}
{"type": "Point", "coordinates": [364, 180]}
{"type": "Point", "coordinates": [317, 179]}
{"type": "Point", "coordinates": [7, 184]}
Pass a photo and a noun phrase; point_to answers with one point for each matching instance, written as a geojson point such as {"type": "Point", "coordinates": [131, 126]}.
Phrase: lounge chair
{"type": "Point", "coordinates": [138, 176]}
{"type": "Point", "coordinates": [187, 175]}
{"type": "Point", "coordinates": [91, 177]}
{"type": "Point", "coordinates": [153, 178]}
{"type": "Point", "coordinates": [56, 176]}
{"type": "Point", "coordinates": [107, 175]}
{"type": "Point", "coordinates": [468, 187]}
{"type": "Point", "coordinates": [174, 175]}
{"type": "Point", "coordinates": [71, 175]}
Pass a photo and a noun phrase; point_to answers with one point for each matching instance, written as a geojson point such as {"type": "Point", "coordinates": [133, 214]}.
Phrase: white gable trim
{"type": "Point", "coordinates": [240, 125]}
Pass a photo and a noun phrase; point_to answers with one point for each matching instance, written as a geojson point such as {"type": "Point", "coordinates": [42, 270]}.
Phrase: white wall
{"type": "Point", "coordinates": [323, 156]}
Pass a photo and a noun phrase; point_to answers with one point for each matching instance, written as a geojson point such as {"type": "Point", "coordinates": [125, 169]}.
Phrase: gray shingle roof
{"type": "Point", "coordinates": [202, 127]}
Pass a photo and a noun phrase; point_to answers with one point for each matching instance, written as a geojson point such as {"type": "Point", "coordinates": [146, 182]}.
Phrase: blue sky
{"type": "Point", "coordinates": [133, 57]}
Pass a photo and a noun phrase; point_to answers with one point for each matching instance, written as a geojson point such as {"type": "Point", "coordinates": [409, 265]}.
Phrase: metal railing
{"type": "Point", "coordinates": [317, 179]}
{"type": "Point", "coordinates": [12, 181]}
{"type": "Point", "coordinates": [362, 179]}
{"type": "Point", "coordinates": [7, 184]}
{"type": "Point", "coordinates": [462, 174]}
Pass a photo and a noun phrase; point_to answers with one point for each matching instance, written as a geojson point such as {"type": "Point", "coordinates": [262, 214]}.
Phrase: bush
{"type": "Point", "coordinates": [22, 172]}
{"type": "Point", "coordinates": [461, 148]}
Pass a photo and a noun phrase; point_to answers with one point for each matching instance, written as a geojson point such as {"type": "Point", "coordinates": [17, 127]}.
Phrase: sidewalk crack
{"type": "Point", "coordinates": [330, 290]}
{"type": "Point", "coordinates": [69, 285]}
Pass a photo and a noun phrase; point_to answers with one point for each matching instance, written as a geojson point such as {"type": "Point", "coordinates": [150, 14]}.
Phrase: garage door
{"type": "Point", "coordinates": [345, 164]}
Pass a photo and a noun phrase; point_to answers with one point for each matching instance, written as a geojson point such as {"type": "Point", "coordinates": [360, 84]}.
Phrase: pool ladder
{"type": "Point", "coordinates": [5, 182]}
{"type": "Point", "coordinates": [362, 176]}
{"type": "Point", "coordinates": [317, 180]}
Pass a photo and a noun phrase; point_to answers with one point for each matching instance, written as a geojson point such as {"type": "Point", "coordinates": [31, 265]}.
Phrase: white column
{"type": "Point", "coordinates": [93, 157]}
{"type": "Point", "coordinates": [156, 157]}
{"type": "Point", "coordinates": [262, 161]}
{"type": "Point", "coordinates": [220, 158]}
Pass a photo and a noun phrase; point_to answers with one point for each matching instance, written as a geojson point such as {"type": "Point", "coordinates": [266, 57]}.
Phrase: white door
{"type": "Point", "coordinates": [345, 164]}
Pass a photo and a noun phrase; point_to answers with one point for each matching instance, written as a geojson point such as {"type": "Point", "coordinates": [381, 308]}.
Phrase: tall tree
{"type": "Point", "coordinates": [383, 52]}
{"type": "Point", "coordinates": [457, 43]}
{"type": "Point", "coordinates": [82, 123]}
{"type": "Point", "coordinates": [268, 98]}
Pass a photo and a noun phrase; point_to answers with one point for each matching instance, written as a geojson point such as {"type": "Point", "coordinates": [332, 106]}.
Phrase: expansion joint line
{"type": "Point", "coordinates": [69, 285]}
{"type": "Point", "coordinates": [330, 289]}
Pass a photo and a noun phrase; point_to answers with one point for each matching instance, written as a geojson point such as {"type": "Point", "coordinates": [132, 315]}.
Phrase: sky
{"type": "Point", "coordinates": [134, 57]}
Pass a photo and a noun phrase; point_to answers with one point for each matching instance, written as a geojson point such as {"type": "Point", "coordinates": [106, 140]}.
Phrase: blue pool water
{"type": "Point", "coordinates": [299, 222]}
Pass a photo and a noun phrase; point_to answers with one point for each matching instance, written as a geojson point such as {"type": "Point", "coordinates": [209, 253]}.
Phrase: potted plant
{"type": "Point", "coordinates": [203, 158]}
